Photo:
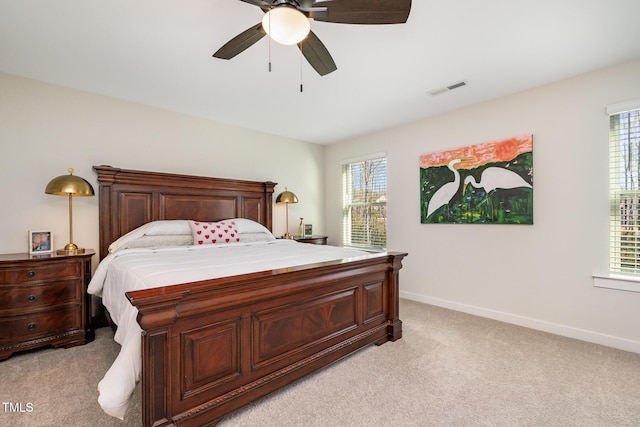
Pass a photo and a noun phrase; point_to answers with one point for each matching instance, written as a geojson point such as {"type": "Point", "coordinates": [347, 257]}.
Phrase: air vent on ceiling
{"type": "Point", "coordinates": [453, 86]}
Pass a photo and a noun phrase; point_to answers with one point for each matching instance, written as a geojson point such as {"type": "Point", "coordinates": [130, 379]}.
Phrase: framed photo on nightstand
{"type": "Point", "coordinates": [40, 242]}
{"type": "Point", "coordinates": [308, 230]}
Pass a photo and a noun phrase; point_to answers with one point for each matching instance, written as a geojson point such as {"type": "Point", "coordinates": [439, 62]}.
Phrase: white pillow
{"type": "Point", "coordinates": [251, 231]}
{"type": "Point", "coordinates": [256, 237]}
{"type": "Point", "coordinates": [167, 227]}
{"type": "Point", "coordinates": [153, 228]}
{"type": "Point", "coordinates": [159, 241]}
{"type": "Point", "coordinates": [249, 226]}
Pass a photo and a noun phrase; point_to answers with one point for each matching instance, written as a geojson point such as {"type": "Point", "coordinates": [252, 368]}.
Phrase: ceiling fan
{"type": "Point", "coordinates": [337, 11]}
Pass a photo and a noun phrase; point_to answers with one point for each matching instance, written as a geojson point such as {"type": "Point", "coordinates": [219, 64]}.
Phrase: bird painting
{"type": "Point", "coordinates": [492, 183]}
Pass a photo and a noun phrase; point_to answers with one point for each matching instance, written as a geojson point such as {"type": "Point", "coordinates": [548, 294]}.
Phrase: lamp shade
{"type": "Point", "coordinates": [65, 185]}
{"type": "Point", "coordinates": [286, 25]}
{"type": "Point", "coordinates": [286, 198]}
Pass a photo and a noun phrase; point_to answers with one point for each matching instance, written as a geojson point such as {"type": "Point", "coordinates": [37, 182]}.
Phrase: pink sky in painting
{"type": "Point", "coordinates": [480, 154]}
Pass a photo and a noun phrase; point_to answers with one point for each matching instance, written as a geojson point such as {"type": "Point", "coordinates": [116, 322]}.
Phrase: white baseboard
{"type": "Point", "coordinates": [540, 325]}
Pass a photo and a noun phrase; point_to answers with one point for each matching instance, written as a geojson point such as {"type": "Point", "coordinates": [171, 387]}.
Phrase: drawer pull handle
{"type": "Point", "coordinates": [31, 326]}
{"type": "Point", "coordinates": [31, 298]}
{"type": "Point", "coordinates": [31, 273]}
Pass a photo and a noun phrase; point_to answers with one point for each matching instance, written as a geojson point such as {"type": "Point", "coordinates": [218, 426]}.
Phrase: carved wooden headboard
{"type": "Point", "coordinates": [130, 198]}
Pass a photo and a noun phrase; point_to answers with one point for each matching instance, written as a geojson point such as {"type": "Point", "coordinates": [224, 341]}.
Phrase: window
{"type": "Point", "coordinates": [364, 207]}
{"type": "Point", "coordinates": [624, 184]}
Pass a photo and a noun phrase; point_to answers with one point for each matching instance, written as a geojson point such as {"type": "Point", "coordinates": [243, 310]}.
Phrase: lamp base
{"type": "Point", "coordinates": [70, 249]}
{"type": "Point", "coordinates": [287, 235]}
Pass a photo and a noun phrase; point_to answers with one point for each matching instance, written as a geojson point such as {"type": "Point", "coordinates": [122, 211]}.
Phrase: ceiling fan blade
{"type": "Point", "coordinates": [317, 54]}
{"type": "Point", "coordinates": [259, 3]}
{"type": "Point", "coordinates": [365, 11]}
{"type": "Point", "coordinates": [316, 13]}
{"type": "Point", "coordinates": [241, 42]}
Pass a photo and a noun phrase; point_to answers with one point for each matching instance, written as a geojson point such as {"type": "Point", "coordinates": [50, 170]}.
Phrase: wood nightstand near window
{"type": "Point", "coordinates": [44, 301]}
{"type": "Point", "coordinates": [314, 239]}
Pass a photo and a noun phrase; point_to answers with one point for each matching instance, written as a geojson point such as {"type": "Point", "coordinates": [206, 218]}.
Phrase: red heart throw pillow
{"type": "Point", "coordinates": [202, 232]}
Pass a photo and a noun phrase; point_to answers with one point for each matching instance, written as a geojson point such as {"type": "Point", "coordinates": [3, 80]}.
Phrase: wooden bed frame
{"type": "Point", "coordinates": [213, 346]}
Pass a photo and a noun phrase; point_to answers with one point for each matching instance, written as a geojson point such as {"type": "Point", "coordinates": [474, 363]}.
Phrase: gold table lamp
{"type": "Point", "coordinates": [72, 186]}
{"type": "Point", "coordinates": [286, 198]}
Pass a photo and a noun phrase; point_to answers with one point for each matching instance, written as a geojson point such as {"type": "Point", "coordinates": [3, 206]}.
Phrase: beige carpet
{"type": "Point", "coordinates": [450, 369]}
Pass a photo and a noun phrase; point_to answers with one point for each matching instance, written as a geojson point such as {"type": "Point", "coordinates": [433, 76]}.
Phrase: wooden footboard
{"type": "Point", "coordinates": [212, 347]}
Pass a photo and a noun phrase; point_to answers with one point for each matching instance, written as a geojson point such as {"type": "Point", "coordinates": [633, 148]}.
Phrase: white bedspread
{"type": "Point", "coordinates": [134, 269]}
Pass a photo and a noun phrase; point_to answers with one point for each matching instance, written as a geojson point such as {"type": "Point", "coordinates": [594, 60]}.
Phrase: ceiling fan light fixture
{"type": "Point", "coordinates": [286, 25]}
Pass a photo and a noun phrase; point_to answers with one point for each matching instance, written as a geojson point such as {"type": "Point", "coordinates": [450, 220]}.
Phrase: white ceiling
{"type": "Point", "coordinates": [158, 53]}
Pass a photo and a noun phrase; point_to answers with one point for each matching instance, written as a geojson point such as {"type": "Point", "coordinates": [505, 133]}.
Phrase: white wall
{"type": "Point", "coordinates": [45, 129]}
{"type": "Point", "coordinates": [538, 276]}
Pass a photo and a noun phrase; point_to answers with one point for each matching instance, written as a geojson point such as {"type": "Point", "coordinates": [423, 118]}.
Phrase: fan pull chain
{"type": "Point", "coordinates": [269, 54]}
{"type": "Point", "coordinates": [301, 64]}
{"type": "Point", "coordinates": [269, 44]}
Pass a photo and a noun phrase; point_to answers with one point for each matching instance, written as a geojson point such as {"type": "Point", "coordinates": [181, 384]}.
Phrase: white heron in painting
{"type": "Point", "coordinates": [445, 193]}
{"type": "Point", "coordinates": [493, 178]}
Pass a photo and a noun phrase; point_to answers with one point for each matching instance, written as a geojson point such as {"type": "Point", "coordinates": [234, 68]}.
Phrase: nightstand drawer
{"type": "Point", "coordinates": [33, 326]}
{"type": "Point", "coordinates": [30, 273]}
{"type": "Point", "coordinates": [44, 295]}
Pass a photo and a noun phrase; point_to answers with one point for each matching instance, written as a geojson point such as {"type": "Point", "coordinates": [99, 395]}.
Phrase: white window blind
{"type": "Point", "coordinates": [364, 189]}
{"type": "Point", "coordinates": [624, 193]}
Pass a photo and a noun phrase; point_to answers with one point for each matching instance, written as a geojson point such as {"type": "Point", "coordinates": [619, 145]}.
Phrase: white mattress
{"type": "Point", "coordinates": [134, 269]}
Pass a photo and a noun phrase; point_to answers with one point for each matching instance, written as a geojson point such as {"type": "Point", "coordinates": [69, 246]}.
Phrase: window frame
{"type": "Point", "coordinates": [348, 204]}
{"type": "Point", "coordinates": [619, 210]}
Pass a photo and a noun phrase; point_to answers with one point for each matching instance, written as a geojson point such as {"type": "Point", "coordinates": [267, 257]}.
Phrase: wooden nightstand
{"type": "Point", "coordinates": [314, 239]}
{"type": "Point", "coordinates": [44, 301]}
